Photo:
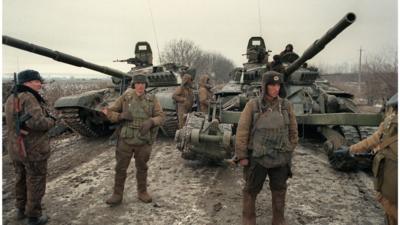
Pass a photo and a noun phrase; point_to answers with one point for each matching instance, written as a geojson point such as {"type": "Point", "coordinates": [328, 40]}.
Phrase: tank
{"type": "Point", "coordinates": [82, 112]}
{"type": "Point", "coordinates": [321, 109]}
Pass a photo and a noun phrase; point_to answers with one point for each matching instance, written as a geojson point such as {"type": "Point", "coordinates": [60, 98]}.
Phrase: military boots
{"type": "Point", "coordinates": [143, 195]}
{"type": "Point", "coordinates": [249, 209]}
{"type": "Point", "coordinates": [278, 207]}
{"type": "Point", "coordinates": [116, 197]}
{"type": "Point", "coordinates": [38, 220]}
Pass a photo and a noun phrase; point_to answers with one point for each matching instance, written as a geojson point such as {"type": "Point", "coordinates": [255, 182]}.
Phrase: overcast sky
{"type": "Point", "coordinates": [100, 31]}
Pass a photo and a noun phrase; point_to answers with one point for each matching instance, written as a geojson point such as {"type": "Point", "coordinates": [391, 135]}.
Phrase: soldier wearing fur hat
{"type": "Point", "coordinates": [265, 139]}
{"type": "Point", "coordinates": [140, 115]}
{"type": "Point", "coordinates": [383, 144]}
{"type": "Point", "coordinates": [28, 144]}
{"type": "Point", "coordinates": [184, 98]}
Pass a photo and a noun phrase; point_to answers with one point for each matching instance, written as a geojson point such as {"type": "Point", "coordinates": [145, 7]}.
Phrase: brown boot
{"type": "Point", "coordinates": [116, 197]}
{"type": "Point", "coordinates": [249, 209]}
{"type": "Point", "coordinates": [143, 195]}
{"type": "Point", "coordinates": [278, 207]}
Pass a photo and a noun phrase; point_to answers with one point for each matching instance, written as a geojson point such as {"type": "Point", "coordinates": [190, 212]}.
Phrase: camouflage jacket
{"type": "Point", "coordinates": [122, 102]}
{"type": "Point", "coordinates": [244, 130]}
{"type": "Point", "coordinates": [36, 143]}
{"type": "Point", "coordinates": [184, 97]}
{"type": "Point", "coordinates": [205, 94]}
{"type": "Point", "coordinates": [373, 142]}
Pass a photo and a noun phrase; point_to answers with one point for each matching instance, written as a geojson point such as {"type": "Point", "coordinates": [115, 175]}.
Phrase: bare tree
{"type": "Point", "coordinates": [380, 76]}
{"type": "Point", "coordinates": [181, 52]}
{"type": "Point", "coordinates": [186, 52]}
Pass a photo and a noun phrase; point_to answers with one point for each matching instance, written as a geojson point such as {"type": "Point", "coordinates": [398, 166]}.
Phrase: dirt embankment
{"type": "Point", "coordinates": [81, 177]}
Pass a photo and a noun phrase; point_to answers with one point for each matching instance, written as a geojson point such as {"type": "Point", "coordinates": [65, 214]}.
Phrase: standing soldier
{"type": "Point", "coordinates": [384, 145]}
{"type": "Point", "coordinates": [183, 97]}
{"type": "Point", "coordinates": [205, 93]}
{"type": "Point", "coordinates": [140, 115]}
{"type": "Point", "coordinates": [28, 144]}
{"type": "Point", "coordinates": [265, 139]}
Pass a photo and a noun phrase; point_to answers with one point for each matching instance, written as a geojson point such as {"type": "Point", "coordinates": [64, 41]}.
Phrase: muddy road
{"type": "Point", "coordinates": [80, 179]}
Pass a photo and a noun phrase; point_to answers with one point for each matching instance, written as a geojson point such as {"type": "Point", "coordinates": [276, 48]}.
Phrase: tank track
{"type": "Point", "coordinates": [72, 119]}
{"type": "Point", "coordinates": [171, 123]}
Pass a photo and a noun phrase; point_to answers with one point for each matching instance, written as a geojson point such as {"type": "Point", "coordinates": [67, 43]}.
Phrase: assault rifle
{"type": "Point", "coordinates": [20, 119]}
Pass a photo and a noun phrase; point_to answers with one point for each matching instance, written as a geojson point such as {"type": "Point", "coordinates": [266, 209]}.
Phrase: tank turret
{"type": "Point", "coordinates": [83, 112]}
{"type": "Point", "coordinates": [321, 109]}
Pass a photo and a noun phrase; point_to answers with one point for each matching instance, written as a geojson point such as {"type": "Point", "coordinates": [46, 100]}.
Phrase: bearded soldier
{"type": "Point", "coordinates": [384, 167]}
{"type": "Point", "coordinates": [265, 139]}
{"type": "Point", "coordinates": [205, 93]}
{"type": "Point", "coordinates": [140, 115]}
{"type": "Point", "coordinates": [183, 97]}
{"type": "Point", "coordinates": [28, 144]}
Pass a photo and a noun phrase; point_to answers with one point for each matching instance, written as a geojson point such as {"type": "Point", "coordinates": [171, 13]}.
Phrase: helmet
{"type": "Point", "coordinates": [289, 46]}
{"type": "Point", "coordinates": [139, 78]}
{"type": "Point", "coordinates": [392, 101]}
{"type": "Point", "coordinates": [272, 77]}
{"type": "Point", "coordinates": [29, 75]}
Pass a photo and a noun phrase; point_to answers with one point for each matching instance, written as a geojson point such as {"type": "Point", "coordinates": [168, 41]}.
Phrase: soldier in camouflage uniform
{"type": "Point", "coordinates": [265, 139]}
{"type": "Point", "coordinates": [140, 115]}
{"type": "Point", "coordinates": [384, 146]}
{"type": "Point", "coordinates": [183, 96]}
{"type": "Point", "coordinates": [31, 169]}
{"type": "Point", "coordinates": [205, 93]}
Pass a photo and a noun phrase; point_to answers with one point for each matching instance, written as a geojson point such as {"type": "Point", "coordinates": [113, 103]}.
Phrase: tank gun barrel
{"type": "Point", "coordinates": [61, 57]}
{"type": "Point", "coordinates": [319, 44]}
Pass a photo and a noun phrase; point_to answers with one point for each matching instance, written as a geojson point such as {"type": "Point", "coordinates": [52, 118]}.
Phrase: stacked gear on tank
{"type": "Point", "coordinates": [320, 108]}
{"type": "Point", "coordinates": [83, 113]}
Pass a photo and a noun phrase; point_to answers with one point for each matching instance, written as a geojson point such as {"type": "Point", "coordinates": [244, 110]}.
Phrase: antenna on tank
{"type": "Point", "coordinates": [259, 17]}
{"type": "Point", "coordinates": [154, 30]}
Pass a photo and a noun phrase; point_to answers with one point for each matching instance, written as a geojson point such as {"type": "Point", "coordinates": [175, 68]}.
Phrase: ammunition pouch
{"type": "Point", "coordinates": [131, 135]}
{"type": "Point", "coordinates": [384, 169]}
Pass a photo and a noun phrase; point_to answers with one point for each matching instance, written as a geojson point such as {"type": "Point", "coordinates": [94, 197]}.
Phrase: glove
{"type": "Point", "coordinates": [125, 116]}
{"type": "Point", "coordinates": [342, 159]}
{"type": "Point", "coordinates": [342, 152]}
{"type": "Point", "coordinates": [145, 127]}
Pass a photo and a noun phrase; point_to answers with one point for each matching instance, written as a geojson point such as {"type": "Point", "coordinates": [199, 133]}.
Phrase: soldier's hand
{"type": "Point", "coordinates": [244, 162]}
{"type": "Point", "coordinates": [342, 152]}
{"type": "Point", "coordinates": [125, 116]}
{"type": "Point", "coordinates": [146, 126]}
{"type": "Point", "coordinates": [105, 111]}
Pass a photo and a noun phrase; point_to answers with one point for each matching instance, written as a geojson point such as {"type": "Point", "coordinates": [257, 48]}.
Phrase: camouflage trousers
{"type": "Point", "coordinates": [124, 154]}
{"type": "Point", "coordinates": [30, 186]}
{"type": "Point", "coordinates": [181, 111]}
{"type": "Point", "coordinates": [390, 209]}
{"type": "Point", "coordinates": [255, 175]}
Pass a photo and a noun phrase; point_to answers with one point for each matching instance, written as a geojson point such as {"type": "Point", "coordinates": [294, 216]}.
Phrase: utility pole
{"type": "Point", "coordinates": [359, 72]}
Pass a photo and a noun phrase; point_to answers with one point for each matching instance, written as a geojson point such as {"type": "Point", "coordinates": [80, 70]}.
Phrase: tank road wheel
{"type": "Point", "coordinates": [79, 123]}
{"type": "Point", "coordinates": [171, 124]}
